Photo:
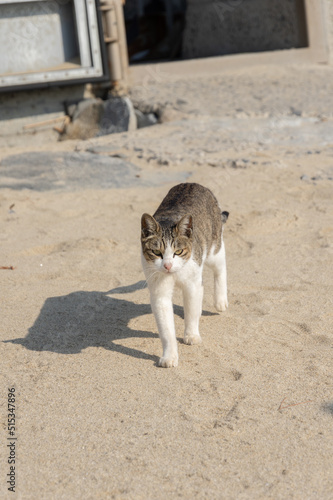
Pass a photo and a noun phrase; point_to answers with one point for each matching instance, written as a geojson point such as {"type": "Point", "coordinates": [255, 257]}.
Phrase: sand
{"type": "Point", "coordinates": [247, 414]}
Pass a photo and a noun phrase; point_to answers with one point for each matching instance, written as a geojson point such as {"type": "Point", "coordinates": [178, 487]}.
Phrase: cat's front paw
{"type": "Point", "coordinates": [168, 361]}
{"type": "Point", "coordinates": [192, 339]}
{"type": "Point", "coordinates": [221, 304]}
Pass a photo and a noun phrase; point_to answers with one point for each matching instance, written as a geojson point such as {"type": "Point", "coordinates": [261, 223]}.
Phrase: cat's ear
{"type": "Point", "coordinates": [225, 216]}
{"type": "Point", "coordinates": [149, 225]}
{"type": "Point", "coordinates": [185, 226]}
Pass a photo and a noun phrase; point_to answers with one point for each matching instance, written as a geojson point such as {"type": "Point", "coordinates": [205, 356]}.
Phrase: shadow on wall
{"type": "Point", "coordinates": [70, 323]}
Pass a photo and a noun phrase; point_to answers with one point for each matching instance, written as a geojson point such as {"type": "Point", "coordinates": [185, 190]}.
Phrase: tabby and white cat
{"type": "Point", "coordinates": [184, 233]}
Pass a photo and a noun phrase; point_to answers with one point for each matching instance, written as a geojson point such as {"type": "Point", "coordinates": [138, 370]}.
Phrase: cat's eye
{"type": "Point", "coordinates": [179, 252]}
{"type": "Point", "coordinates": [157, 253]}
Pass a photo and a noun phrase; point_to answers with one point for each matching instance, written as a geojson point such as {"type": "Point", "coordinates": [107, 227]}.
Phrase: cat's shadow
{"type": "Point", "coordinates": [70, 323]}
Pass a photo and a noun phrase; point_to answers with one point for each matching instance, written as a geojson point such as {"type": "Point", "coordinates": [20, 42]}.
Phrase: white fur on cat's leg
{"type": "Point", "coordinates": [220, 297]}
{"type": "Point", "coordinates": [192, 293]}
{"type": "Point", "coordinates": [161, 302]}
{"type": "Point", "coordinates": [220, 281]}
{"type": "Point", "coordinates": [218, 263]}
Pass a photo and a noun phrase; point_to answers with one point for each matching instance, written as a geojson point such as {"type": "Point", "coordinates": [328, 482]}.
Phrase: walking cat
{"type": "Point", "coordinates": [184, 233]}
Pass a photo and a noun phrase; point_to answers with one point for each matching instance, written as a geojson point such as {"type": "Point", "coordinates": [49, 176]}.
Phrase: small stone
{"type": "Point", "coordinates": [236, 164]}
{"type": "Point", "coordinates": [145, 119]}
{"type": "Point", "coordinates": [295, 111]}
{"type": "Point", "coordinates": [317, 178]}
{"type": "Point", "coordinates": [160, 161]}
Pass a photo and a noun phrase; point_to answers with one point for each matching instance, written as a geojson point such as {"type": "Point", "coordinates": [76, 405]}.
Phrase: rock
{"type": "Point", "coordinates": [66, 171]}
{"type": "Point", "coordinates": [118, 116]}
{"type": "Point", "coordinates": [88, 110]}
{"type": "Point", "coordinates": [145, 119]}
{"type": "Point", "coordinates": [73, 171]}
{"type": "Point", "coordinates": [70, 109]}
{"type": "Point", "coordinates": [294, 111]}
{"type": "Point", "coordinates": [86, 119]}
{"type": "Point", "coordinates": [317, 178]}
{"type": "Point", "coordinates": [161, 161]}
{"type": "Point", "coordinates": [95, 117]}
{"type": "Point", "coordinates": [237, 163]}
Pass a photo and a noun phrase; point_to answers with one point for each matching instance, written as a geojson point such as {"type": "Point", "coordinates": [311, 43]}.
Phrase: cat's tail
{"type": "Point", "coordinates": [225, 216]}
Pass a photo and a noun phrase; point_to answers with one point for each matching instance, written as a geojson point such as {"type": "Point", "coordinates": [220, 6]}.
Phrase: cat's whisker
{"type": "Point", "coordinates": [149, 277]}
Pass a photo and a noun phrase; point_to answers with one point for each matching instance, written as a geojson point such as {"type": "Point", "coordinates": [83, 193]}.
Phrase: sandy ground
{"type": "Point", "coordinates": [249, 413]}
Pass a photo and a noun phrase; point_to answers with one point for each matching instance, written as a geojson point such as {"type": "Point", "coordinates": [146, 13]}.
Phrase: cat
{"type": "Point", "coordinates": [185, 232]}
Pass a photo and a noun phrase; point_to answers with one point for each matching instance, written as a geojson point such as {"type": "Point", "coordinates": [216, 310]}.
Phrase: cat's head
{"type": "Point", "coordinates": [165, 246]}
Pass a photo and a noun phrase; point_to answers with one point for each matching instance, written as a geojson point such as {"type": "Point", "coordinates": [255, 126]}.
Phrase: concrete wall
{"type": "Point", "coordinates": [219, 27]}
{"type": "Point", "coordinates": [21, 109]}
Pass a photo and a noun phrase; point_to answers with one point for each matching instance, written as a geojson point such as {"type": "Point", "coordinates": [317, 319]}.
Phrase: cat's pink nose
{"type": "Point", "coordinates": [168, 266]}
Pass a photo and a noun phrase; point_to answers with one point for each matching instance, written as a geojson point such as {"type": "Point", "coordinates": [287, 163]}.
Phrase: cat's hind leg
{"type": "Point", "coordinates": [218, 263]}
{"type": "Point", "coordinates": [192, 295]}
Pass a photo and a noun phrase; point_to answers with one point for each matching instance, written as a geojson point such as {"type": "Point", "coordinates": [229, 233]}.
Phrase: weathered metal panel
{"type": "Point", "coordinates": [47, 41]}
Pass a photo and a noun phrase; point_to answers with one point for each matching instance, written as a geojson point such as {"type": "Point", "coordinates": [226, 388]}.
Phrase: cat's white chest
{"type": "Point", "coordinates": [188, 273]}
